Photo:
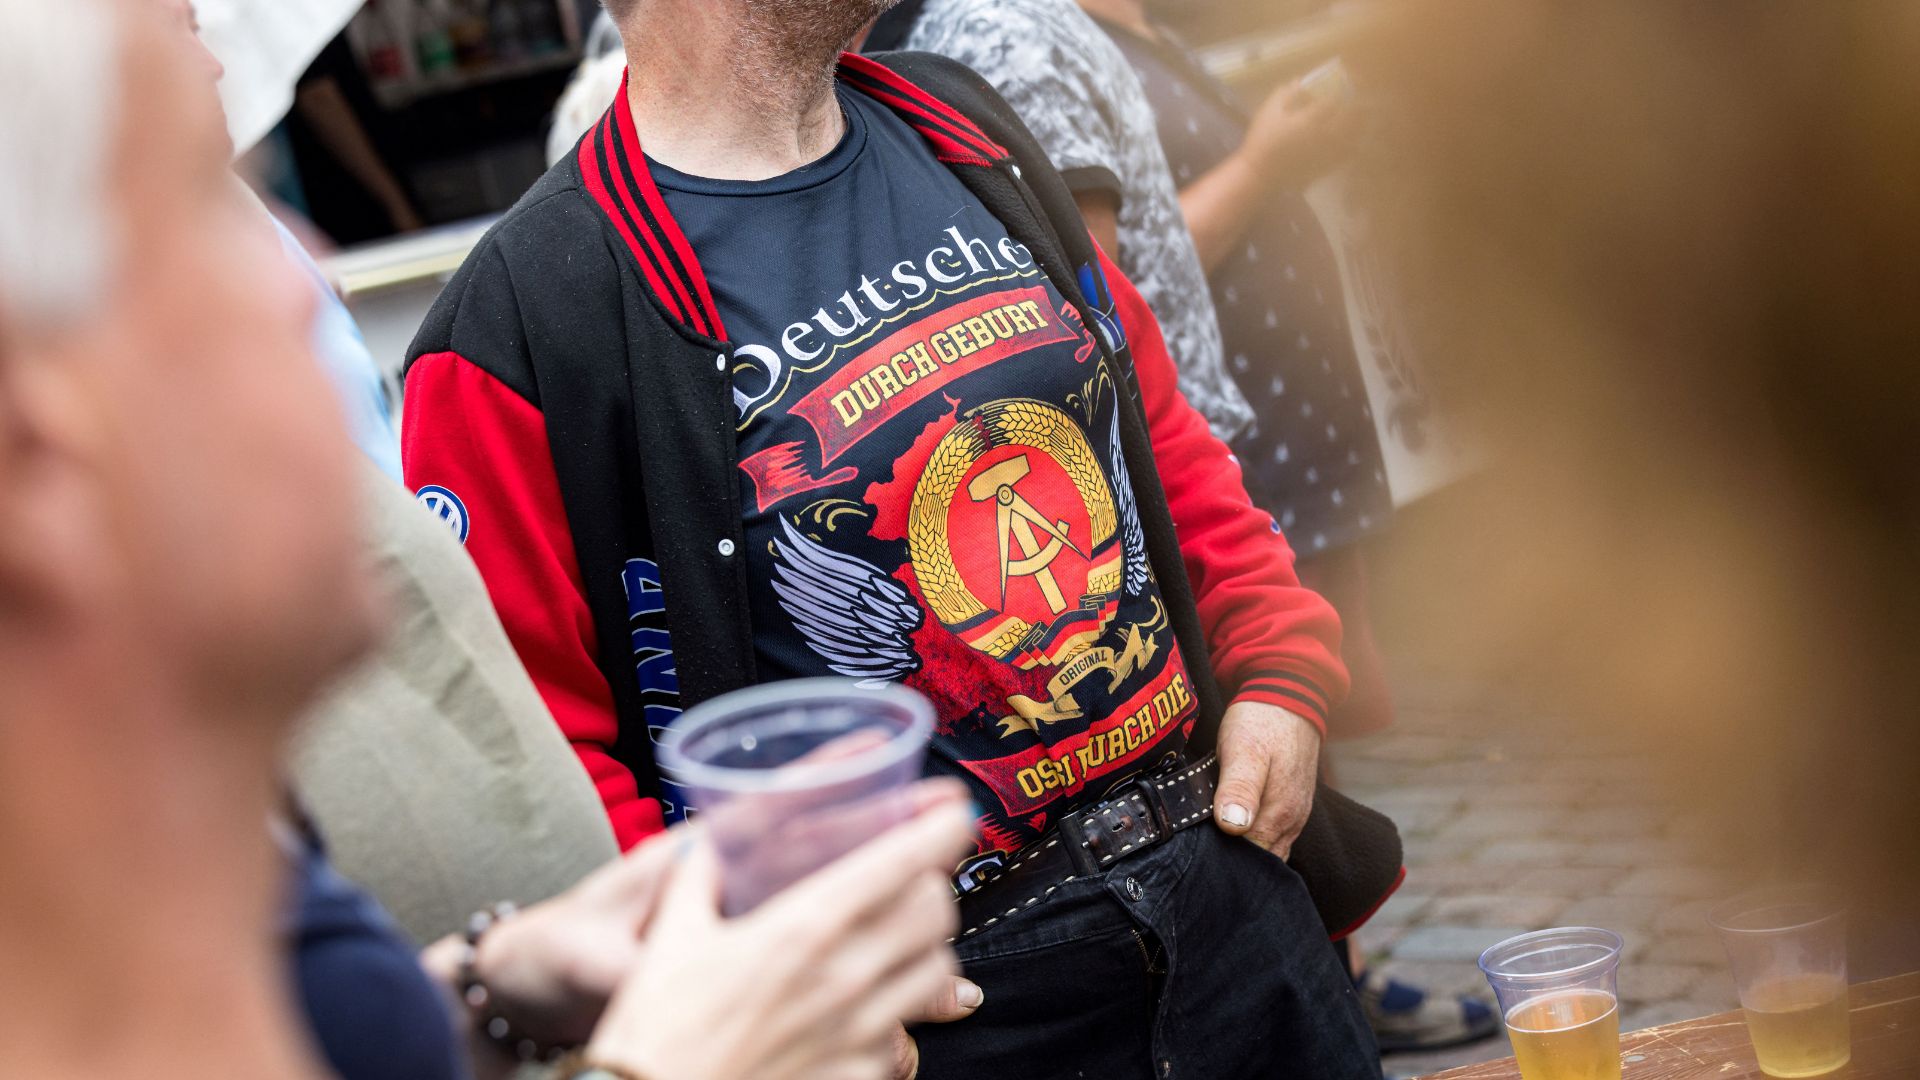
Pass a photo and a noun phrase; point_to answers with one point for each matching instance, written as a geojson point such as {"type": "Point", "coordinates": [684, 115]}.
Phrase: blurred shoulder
{"type": "Point", "coordinates": [595, 84]}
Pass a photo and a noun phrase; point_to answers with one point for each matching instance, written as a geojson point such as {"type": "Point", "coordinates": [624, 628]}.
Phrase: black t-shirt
{"type": "Point", "coordinates": [1312, 458]}
{"type": "Point", "coordinates": [931, 472]}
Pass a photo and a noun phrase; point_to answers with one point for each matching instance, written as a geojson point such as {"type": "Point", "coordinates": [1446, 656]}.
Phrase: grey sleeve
{"type": "Point", "coordinates": [1095, 178]}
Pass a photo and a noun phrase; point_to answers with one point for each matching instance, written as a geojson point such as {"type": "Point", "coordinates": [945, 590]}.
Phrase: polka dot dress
{"type": "Point", "coordinates": [1312, 458]}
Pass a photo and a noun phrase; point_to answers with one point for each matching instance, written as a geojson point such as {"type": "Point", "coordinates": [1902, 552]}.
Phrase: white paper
{"type": "Point", "coordinates": [266, 46]}
{"type": "Point", "coordinates": [1422, 450]}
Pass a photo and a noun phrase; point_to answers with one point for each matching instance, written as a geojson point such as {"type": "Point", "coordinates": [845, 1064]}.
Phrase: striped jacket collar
{"type": "Point", "coordinates": [614, 171]}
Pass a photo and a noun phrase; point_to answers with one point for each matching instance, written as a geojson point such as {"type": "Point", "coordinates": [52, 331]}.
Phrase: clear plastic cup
{"type": "Point", "coordinates": [788, 777]}
{"type": "Point", "coordinates": [1788, 949]}
{"type": "Point", "coordinates": [1560, 998]}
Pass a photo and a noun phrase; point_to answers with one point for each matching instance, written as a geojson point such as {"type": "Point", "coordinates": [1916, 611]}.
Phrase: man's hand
{"type": "Point", "coordinates": [1269, 765]}
{"type": "Point", "coordinates": [957, 1002]}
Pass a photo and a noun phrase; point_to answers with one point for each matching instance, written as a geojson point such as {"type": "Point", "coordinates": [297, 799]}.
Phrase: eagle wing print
{"type": "Point", "coordinates": [1133, 539]}
{"type": "Point", "coordinates": [858, 619]}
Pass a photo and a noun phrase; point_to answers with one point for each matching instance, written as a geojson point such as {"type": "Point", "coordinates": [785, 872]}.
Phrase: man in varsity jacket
{"type": "Point", "coordinates": [803, 365]}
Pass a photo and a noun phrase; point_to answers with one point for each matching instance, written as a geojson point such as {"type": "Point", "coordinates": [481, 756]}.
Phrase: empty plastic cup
{"type": "Point", "coordinates": [788, 777]}
{"type": "Point", "coordinates": [1788, 948]}
{"type": "Point", "coordinates": [1560, 998]}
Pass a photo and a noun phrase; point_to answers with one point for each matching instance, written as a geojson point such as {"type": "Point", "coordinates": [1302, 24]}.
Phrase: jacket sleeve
{"type": "Point", "coordinates": [1272, 639]}
{"type": "Point", "coordinates": [485, 446]}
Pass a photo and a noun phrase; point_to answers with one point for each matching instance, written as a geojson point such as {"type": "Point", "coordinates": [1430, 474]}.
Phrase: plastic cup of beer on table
{"type": "Point", "coordinates": [1788, 948]}
{"type": "Point", "coordinates": [1560, 998]}
{"type": "Point", "coordinates": [788, 777]}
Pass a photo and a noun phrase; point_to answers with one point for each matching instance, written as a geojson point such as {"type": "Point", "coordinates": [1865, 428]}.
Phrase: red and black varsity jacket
{"type": "Point", "coordinates": [569, 410]}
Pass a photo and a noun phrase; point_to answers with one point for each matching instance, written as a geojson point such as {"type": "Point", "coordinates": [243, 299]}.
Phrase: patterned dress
{"type": "Point", "coordinates": [1313, 457]}
{"type": "Point", "coordinates": [1079, 96]}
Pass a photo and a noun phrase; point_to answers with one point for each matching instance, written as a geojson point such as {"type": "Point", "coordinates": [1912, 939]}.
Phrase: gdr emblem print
{"type": "Point", "coordinates": [446, 506]}
{"type": "Point", "coordinates": [1047, 583]}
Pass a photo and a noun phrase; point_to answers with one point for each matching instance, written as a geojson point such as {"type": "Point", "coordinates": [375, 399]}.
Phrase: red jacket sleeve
{"type": "Point", "coordinates": [486, 446]}
{"type": "Point", "coordinates": [1272, 639]}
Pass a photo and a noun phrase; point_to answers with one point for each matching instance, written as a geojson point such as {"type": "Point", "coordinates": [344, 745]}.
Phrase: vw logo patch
{"type": "Point", "coordinates": [446, 506]}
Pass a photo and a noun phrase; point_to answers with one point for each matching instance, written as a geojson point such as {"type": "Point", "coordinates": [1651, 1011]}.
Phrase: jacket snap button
{"type": "Point", "coordinates": [1134, 890]}
{"type": "Point", "coordinates": [726, 549]}
{"type": "Point", "coordinates": [1016, 172]}
{"type": "Point", "coordinates": [720, 363]}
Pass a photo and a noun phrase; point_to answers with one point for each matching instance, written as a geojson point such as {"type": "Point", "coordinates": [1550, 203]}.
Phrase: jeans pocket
{"type": "Point", "coordinates": [1072, 995]}
{"type": "Point", "coordinates": [1256, 989]}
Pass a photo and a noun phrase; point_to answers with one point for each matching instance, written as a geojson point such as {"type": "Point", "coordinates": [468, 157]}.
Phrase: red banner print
{"type": "Point", "coordinates": [915, 361]}
{"type": "Point", "coordinates": [778, 473]}
{"type": "Point", "coordinates": [1038, 776]}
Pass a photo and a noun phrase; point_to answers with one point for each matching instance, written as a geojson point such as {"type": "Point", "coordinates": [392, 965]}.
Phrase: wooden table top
{"type": "Point", "coordinates": [1886, 1043]}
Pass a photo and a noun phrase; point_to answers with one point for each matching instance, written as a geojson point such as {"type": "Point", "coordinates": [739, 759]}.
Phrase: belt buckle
{"type": "Point", "coordinates": [1100, 835]}
{"type": "Point", "coordinates": [1149, 793]}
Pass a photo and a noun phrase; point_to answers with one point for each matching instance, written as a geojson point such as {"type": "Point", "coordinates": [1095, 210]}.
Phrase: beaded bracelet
{"type": "Point", "coordinates": [480, 1000]}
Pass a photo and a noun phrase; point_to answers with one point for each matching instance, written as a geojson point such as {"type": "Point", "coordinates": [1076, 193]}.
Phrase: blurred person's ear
{"type": "Point", "coordinates": [53, 545]}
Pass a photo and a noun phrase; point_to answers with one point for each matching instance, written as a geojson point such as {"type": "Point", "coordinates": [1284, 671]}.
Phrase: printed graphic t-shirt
{"type": "Point", "coordinates": [931, 473]}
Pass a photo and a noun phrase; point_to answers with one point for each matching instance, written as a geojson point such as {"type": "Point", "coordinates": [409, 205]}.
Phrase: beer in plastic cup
{"type": "Point", "coordinates": [1560, 1000]}
{"type": "Point", "coordinates": [788, 777]}
{"type": "Point", "coordinates": [1788, 949]}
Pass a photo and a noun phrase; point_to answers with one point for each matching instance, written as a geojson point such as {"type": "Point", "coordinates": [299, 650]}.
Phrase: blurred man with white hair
{"type": "Point", "coordinates": [440, 727]}
{"type": "Point", "coordinates": [169, 498]}
{"type": "Point", "coordinates": [179, 577]}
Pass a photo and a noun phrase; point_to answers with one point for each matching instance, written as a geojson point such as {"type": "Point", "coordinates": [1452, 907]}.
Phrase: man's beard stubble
{"type": "Point", "coordinates": [805, 33]}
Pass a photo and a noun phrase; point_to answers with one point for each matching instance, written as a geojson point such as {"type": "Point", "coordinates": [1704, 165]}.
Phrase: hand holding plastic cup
{"type": "Point", "coordinates": [1560, 998]}
{"type": "Point", "coordinates": [790, 776]}
{"type": "Point", "coordinates": [1788, 948]}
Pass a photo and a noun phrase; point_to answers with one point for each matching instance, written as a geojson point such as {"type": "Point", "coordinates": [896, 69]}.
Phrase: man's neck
{"type": "Point", "coordinates": [1130, 14]}
{"type": "Point", "coordinates": [717, 99]}
{"type": "Point", "coordinates": [138, 909]}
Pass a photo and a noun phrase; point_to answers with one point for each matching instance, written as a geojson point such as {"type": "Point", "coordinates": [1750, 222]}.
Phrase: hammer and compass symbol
{"type": "Point", "coordinates": [1017, 520]}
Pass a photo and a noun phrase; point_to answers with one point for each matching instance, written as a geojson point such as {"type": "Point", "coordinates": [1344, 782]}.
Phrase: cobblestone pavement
{"type": "Point", "coordinates": [1512, 824]}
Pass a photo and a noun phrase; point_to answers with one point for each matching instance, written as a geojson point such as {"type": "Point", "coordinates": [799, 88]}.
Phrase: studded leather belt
{"type": "Point", "coordinates": [1142, 814]}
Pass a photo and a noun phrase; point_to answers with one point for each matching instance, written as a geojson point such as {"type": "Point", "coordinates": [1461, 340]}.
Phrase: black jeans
{"type": "Point", "coordinates": [1202, 958]}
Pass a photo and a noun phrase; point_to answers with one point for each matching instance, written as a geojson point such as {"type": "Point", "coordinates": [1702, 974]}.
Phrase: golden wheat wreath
{"type": "Point", "coordinates": [1011, 422]}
